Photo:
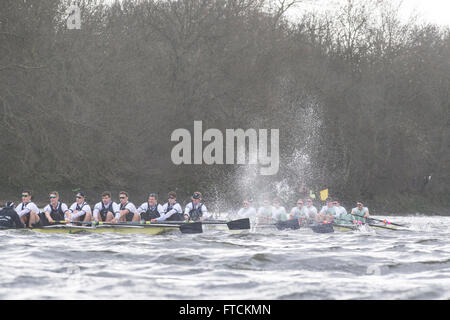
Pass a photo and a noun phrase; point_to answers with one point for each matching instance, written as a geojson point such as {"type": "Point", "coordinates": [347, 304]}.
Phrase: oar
{"type": "Point", "coordinates": [369, 224]}
{"type": "Point", "coordinates": [379, 220]}
{"type": "Point", "coordinates": [194, 227]}
{"type": "Point", "coordinates": [240, 224]}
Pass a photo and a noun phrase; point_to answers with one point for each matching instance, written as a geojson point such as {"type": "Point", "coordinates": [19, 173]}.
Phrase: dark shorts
{"type": "Point", "coordinates": [103, 215]}
{"type": "Point", "coordinates": [129, 216]}
{"type": "Point", "coordinates": [33, 225]}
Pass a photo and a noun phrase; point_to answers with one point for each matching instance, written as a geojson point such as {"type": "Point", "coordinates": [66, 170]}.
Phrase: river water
{"type": "Point", "coordinates": [218, 264]}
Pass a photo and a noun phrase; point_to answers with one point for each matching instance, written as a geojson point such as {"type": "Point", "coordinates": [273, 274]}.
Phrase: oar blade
{"type": "Point", "coordinates": [240, 224]}
{"type": "Point", "coordinates": [191, 227]}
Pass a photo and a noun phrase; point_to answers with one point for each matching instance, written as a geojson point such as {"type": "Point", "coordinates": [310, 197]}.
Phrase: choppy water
{"type": "Point", "coordinates": [217, 264]}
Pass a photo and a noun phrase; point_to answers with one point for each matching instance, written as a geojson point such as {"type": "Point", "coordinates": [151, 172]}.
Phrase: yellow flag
{"type": "Point", "coordinates": [324, 195]}
{"type": "Point", "coordinates": [311, 194]}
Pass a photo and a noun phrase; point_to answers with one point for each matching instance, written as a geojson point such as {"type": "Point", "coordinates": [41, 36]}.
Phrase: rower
{"type": "Point", "coordinates": [299, 212]}
{"type": "Point", "coordinates": [360, 213]}
{"type": "Point", "coordinates": [127, 210]}
{"type": "Point", "coordinates": [9, 218]}
{"type": "Point", "coordinates": [171, 209]}
{"type": "Point", "coordinates": [327, 212]}
{"type": "Point", "coordinates": [278, 211]}
{"type": "Point", "coordinates": [80, 210]}
{"type": "Point", "coordinates": [264, 214]}
{"type": "Point", "coordinates": [106, 209]}
{"type": "Point", "coordinates": [196, 210]}
{"type": "Point", "coordinates": [55, 211]}
{"type": "Point", "coordinates": [246, 211]}
{"type": "Point", "coordinates": [151, 209]}
{"type": "Point", "coordinates": [311, 210]}
{"type": "Point", "coordinates": [28, 211]}
{"type": "Point", "coordinates": [341, 213]}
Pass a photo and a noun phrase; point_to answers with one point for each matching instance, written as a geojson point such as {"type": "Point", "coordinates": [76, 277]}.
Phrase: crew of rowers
{"type": "Point", "coordinates": [305, 213]}
{"type": "Point", "coordinates": [27, 214]}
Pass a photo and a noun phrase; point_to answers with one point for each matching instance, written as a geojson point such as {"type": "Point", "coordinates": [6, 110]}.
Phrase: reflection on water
{"type": "Point", "coordinates": [218, 264]}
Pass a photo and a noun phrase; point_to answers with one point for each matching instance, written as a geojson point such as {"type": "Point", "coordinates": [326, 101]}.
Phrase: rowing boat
{"type": "Point", "coordinates": [72, 229]}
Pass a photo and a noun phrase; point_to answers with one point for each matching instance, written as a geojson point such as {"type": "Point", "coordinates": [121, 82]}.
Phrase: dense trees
{"type": "Point", "coordinates": [360, 98]}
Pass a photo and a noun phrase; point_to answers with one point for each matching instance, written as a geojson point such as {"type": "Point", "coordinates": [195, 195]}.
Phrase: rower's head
{"type": "Point", "coordinates": [266, 203]}
{"type": "Point", "coordinates": [172, 197]}
{"type": "Point", "coordinates": [246, 203]}
{"type": "Point", "coordinates": [299, 203]}
{"type": "Point", "coordinates": [54, 197]}
{"type": "Point", "coordinates": [80, 197]}
{"type": "Point", "coordinates": [123, 197]}
{"type": "Point", "coordinates": [276, 203]}
{"type": "Point", "coordinates": [196, 197]}
{"type": "Point", "coordinates": [106, 197]}
{"type": "Point", "coordinates": [309, 202]}
{"type": "Point", "coordinates": [359, 204]}
{"type": "Point", "coordinates": [26, 196]}
{"type": "Point", "coordinates": [337, 203]}
{"type": "Point", "coordinates": [152, 199]}
{"type": "Point", "coordinates": [330, 202]}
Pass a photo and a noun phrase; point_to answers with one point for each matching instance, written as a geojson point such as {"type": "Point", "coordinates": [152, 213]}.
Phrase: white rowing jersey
{"type": "Point", "coordinates": [190, 206]}
{"type": "Point", "coordinates": [279, 214]}
{"type": "Point", "coordinates": [249, 212]}
{"type": "Point", "coordinates": [128, 206]}
{"type": "Point", "coordinates": [167, 214]}
{"type": "Point", "coordinates": [312, 211]}
{"type": "Point", "coordinates": [82, 209]}
{"type": "Point", "coordinates": [63, 206]}
{"type": "Point", "coordinates": [144, 207]}
{"type": "Point", "coordinates": [99, 206]}
{"type": "Point", "coordinates": [264, 214]}
{"type": "Point", "coordinates": [299, 213]}
{"type": "Point", "coordinates": [22, 209]}
{"type": "Point", "coordinates": [340, 211]}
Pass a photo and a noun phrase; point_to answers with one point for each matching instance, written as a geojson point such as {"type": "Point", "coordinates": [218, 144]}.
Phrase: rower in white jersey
{"type": "Point", "coordinates": [300, 212]}
{"type": "Point", "coordinates": [311, 210]}
{"type": "Point", "coordinates": [247, 211]}
{"type": "Point", "coordinates": [55, 211]}
{"type": "Point", "coordinates": [171, 209]}
{"type": "Point", "coordinates": [278, 211]}
{"type": "Point", "coordinates": [80, 209]}
{"type": "Point", "coordinates": [196, 210]}
{"type": "Point", "coordinates": [28, 211]}
{"type": "Point", "coordinates": [127, 210]}
{"type": "Point", "coordinates": [106, 210]}
{"type": "Point", "coordinates": [341, 214]}
{"type": "Point", "coordinates": [151, 209]}
{"type": "Point", "coordinates": [327, 213]}
{"type": "Point", "coordinates": [265, 213]}
{"type": "Point", "coordinates": [360, 213]}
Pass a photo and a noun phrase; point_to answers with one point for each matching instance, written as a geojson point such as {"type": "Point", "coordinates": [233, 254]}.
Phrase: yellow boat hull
{"type": "Point", "coordinates": [153, 230]}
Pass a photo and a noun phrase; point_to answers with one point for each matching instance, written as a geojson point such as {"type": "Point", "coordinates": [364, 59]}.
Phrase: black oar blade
{"type": "Point", "coordinates": [288, 224]}
{"type": "Point", "coordinates": [191, 227]}
{"type": "Point", "coordinates": [323, 228]}
{"type": "Point", "coordinates": [241, 224]}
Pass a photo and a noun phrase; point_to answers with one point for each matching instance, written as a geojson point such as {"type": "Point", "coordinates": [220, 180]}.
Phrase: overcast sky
{"type": "Point", "coordinates": [435, 11]}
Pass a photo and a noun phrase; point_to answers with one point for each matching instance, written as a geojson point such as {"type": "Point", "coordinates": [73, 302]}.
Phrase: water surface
{"type": "Point", "coordinates": [218, 264]}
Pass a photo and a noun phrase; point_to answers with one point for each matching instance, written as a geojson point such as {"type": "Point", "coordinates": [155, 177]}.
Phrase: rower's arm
{"type": "Point", "coordinates": [23, 212]}
{"type": "Point", "coordinates": [187, 209]}
{"type": "Point", "coordinates": [167, 215]}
